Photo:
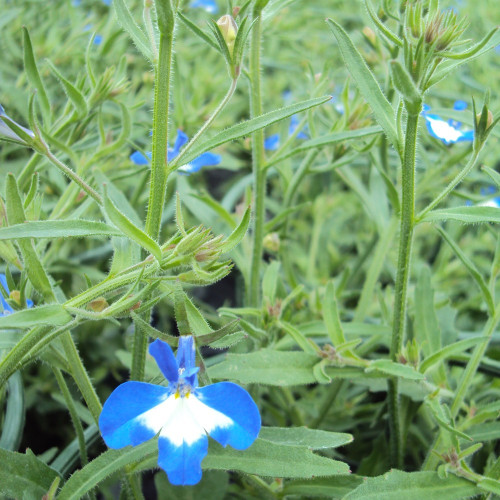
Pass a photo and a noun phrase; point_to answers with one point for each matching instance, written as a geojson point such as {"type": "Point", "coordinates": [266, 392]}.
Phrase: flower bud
{"type": "Point", "coordinates": [370, 35]}
{"type": "Point", "coordinates": [98, 305]}
{"type": "Point", "coordinates": [272, 242]}
{"type": "Point", "coordinates": [15, 295]}
{"type": "Point", "coordinates": [229, 30]}
{"type": "Point", "coordinates": [8, 132]}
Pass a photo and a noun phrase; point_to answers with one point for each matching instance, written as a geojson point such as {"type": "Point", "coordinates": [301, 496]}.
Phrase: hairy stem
{"type": "Point", "coordinates": [258, 161]}
{"type": "Point", "coordinates": [407, 222]}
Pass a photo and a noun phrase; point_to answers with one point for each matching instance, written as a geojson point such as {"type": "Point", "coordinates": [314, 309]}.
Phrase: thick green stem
{"type": "Point", "coordinates": [159, 170]}
{"type": "Point", "coordinates": [258, 162]}
{"type": "Point", "coordinates": [407, 221]}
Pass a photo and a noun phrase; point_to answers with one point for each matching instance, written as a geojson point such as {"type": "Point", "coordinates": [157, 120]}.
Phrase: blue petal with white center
{"type": "Point", "coordinates": [182, 414]}
{"type": "Point", "coordinates": [449, 132]}
{"type": "Point", "coordinates": [204, 160]}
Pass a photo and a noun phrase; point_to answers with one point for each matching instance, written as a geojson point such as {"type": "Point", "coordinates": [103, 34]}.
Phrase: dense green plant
{"type": "Point", "coordinates": [350, 269]}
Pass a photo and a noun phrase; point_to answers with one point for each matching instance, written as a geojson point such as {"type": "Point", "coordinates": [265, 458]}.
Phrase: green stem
{"type": "Point", "coordinates": [407, 223]}
{"type": "Point", "coordinates": [73, 176]}
{"type": "Point", "coordinates": [451, 186]}
{"type": "Point", "coordinates": [201, 131]}
{"type": "Point", "coordinates": [258, 161]}
{"type": "Point", "coordinates": [334, 390]}
{"type": "Point", "coordinates": [81, 376]}
{"type": "Point", "coordinates": [159, 170]}
{"type": "Point", "coordinates": [73, 414]}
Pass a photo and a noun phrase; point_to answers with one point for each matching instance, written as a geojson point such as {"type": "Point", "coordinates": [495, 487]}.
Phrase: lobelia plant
{"type": "Point", "coordinates": [358, 251]}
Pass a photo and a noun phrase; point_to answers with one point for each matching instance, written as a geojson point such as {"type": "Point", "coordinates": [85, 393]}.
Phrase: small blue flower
{"type": "Point", "coordinates": [450, 131]}
{"type": "Point", "coordinates": [204, 160]}
{"type": "Point", "coordinates": [272, 143]}
{"type": "Point", "coordinates": [7, 309]}
{"type": "Point", "coordinates": [107, 2]}
{"type": "Point", "coordinates": [7, 132]}
{"type": "Point", "coordinates": [209, 5]}
{"type": "Point", "coordinates": [182, 414]}
{"type": "Point", "coordinates": [98, 40]}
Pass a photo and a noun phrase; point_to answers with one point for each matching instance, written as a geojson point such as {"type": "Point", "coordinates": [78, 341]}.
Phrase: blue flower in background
{"type": "Point", "coordinates": [6, 308]}
{"type": "Point", "coordinates": [7, 132]}
{"type": "Point", "coordinates": [182, 414]}
{"type": "Point", "coordinates": [204, 160]}
{"type": "Point", "coordinates": [98, 40]}
{"type": "Point", "coordinates": [449, 131]}
{"type": "Point", "coordinates": [208, 5]}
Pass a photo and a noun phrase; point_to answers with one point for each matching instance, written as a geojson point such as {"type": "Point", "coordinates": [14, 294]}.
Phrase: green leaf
{"type": "Point", "coordinates": [469, 215]}
{"type": "Point", "coordinates": [490, 485]}
{"type": "Point", "coordinates": [298, 337]}
{"type": "Point", "coordinates": [52, 314]}
{"type": "Point", "coordinates": [237, 235]}
{"type": "Point", "coordinates": [367, 85]}
{"type": "Point", "coordinates": [267, 367]}
{"type": "Point", "coordinates": [449, 351]}
{"type": "Point", "coordinates": [127, 22]}
{"type": "Point", "coordinates": [478, 278]}
{"type": "Point", "coordinates": [103, 466]}
{"type": "Point", "coordinates": [485, 432]}
{"type": "Point", "coordinates": [394, 369]}
{"type": "Point", "coordinates": [334, 488]}
{"type": "Point", "coordinates": [197, 31]}
{"type": "Point", "coordinates": [406, 87]}
{"type": "Point", "coordinates": [268, 459]}
{"type": "Point", "coordinates": [32, 264]}
{"type": "Point", "coordinates": [246, 128]}
{"type": "Point", "coordinates": [397, 485]}
{"type": "Point", "coordinates": [495, 176]}
{"type": "Point", "coordinates": [331, 316]}
{"type": "Point", "coordinates": [213, 486]}
{"type": "Point", "coordinates": [58, 229]}
{"type": "Point", "coordinates": [130, 229]}
{"type": "Point", "coordinates": [270, 281]}
{"type": "Point", "coordinates": [13, 423]}
{"type": "Point", "coordinates": [24, 474]}
{"type": "Point", "coordinates": [302, 436]}
{"type": "Point", "coordinates": [74, 95]}
{"type": "Point", "coordinates": [33, 75]}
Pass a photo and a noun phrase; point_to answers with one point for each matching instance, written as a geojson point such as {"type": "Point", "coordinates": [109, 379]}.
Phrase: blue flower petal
{"type": "Point", "coordinates": [459, 105]}
{"type": "Point", "coordinates": [235, 403]}
{"type": "Point", "coordinates": [204, 160]}
{"type": "Point", "coordinates": [186, 355]}
{"type": "Point", "coordinates": [180, 140]}
{"type": "Point", "coordinates": [272, 143]}
{"type": "Point", "coordinates": [208, 5]}
{"type": "Point", "coordinates": [165, 360]}
{"type": "Point", "coordinates": [182, 460]}
{"type": "Point", "coordinates": [467, 135]}
{"type": "Point", "coordinates": [139, 159]}
{"type": "Point", "coordinates": [123, 420]}
{"type": "Point", "coordinates": [6, 307]}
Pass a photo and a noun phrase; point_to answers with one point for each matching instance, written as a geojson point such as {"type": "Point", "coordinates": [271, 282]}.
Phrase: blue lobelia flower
{"type": "Point", "coordinates": [7, 132]}
{"type": "Point", "coordinates": [209, 5]}
{"type": "Point", "coordinates": [181, 414]}
{"type": "Point", "coordinates": [272, 143]}
{"type": "Point", "coordinates": [204, 160]}
{"type": "Point", "coordinates": [450, 131]}
{"type": "Point", "coordinates": [6, 308]}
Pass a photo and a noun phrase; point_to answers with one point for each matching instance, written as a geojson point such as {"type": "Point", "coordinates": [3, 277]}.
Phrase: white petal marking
{"type": "Point", "coordinates": [184, 419]}
{"type": "Point", "coordinates": [444, 130]}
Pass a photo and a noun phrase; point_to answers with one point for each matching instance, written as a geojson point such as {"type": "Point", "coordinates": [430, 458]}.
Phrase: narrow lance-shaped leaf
{"type": "Point", "coordinates": [128, 23]}
{"type": "Point", "coordinates": [58, 229]}
{"type": "Point", "coordinates": [31, 68]}
{"type": "Point", "coordinates": [74, 95]}
{"type": "Point", "coordinates": [237, 235]}
{"type": "Point", "coordinates": [367, 85]}
{"type": "Point", "coordinates": [246, 128]}
{"type": "Point", "coordinates": [32, 265]}
{"type": "Point", "coordinates": [468, 215]}
{"type": "Point", "coordinates": [131, 230]}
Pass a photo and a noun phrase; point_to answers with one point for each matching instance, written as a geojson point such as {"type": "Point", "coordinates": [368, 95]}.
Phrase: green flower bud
{"type": "Point", "coordinates": [229, 30]}
{"type": "Point", "coordinates": [272, 242]}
